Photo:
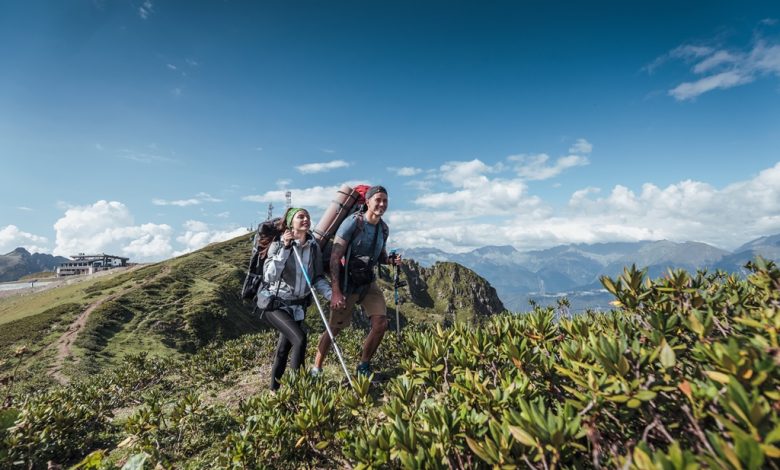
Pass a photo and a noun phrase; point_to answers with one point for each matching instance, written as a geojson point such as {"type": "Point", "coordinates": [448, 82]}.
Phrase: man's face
{"type": "Point", "coordinates": [377, 204]}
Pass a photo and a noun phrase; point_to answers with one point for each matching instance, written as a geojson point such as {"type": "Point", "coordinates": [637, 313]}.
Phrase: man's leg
{"type": "Point", "coordinates": [378, 328]}
{"type": "Point", "coordinates": [339, 319]}
{"type": "Point", "coordinates": [324, 346]}
{"type": "Point", "coordinates": [376, 310]}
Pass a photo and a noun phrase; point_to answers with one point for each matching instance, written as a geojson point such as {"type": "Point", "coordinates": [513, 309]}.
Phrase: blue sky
{"type": "Point", "coordinates": [151, 128]}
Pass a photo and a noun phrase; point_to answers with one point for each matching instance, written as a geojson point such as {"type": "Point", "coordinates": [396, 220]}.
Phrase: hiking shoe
{"type": "Point", "coordinates": [364, 368]}
{"type": "Point", "coordinates": [315, 372]}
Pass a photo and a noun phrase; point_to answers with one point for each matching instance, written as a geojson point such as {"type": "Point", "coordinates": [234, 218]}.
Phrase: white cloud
{"type": "Point", "coordinates": [535, 167]}
{"type": "Point", "coordinates": [328, 151]}
{"type": "Point", "coordinates": [199, 234]}
{"type": "Point", "coordinates": [148, 242]}
{"type": "Point", "coordinates": [580, 195]}
{"type": "Point", "coordinates": [581, 146]}
{"type": "Point", "coordinates": [475, 192]}
{"type": "Point", "coordinates": [717, 59]}
{"type": "Point", "coordinates": [109, 227]}
{"type": "Point", "coordinates": [283, 183]}
{"type": "Point", "coordinates": [688, 210]}
{"type": "Point", "coordinates": [200, 198]}
{"type": "Point", "coordinates": [313, 199]}
{"type": "Point", "coordinates": [405, 171]}
{"type": "Point", "coordinates": [469, 174]}
{"type": "Point", "coordinates": [11, 237]}
{"type": "Point", "coordinates": [690, 51]}
{"type": "Point", "coordinates": [483, 210]}
{"type": "Point", "coordinates": [196, 226]}
{"type": "Point", "coordinates": [24, 208]}
{"type": "Point", "coordinates": [317, 196]}
{"type": "Point", "coordinates": [722, 68]}
{"type": "Point", "coordinates": [321, 167]}
{"type": "Point", "coordinates": [171, 66]}
{"type": "Point", "coordinates": [688, 90]}
{"type": "Point", "coordinates": [146, 9]}
{"type": "Point", "coordinates": [143, 157]}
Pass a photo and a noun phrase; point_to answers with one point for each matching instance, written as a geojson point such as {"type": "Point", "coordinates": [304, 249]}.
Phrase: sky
{"type": "Point", "coordinates": [150, 128]}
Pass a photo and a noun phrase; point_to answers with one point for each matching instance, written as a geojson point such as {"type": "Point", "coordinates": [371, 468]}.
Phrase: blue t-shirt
{"type": "Point", "coordinates": [361, 245]}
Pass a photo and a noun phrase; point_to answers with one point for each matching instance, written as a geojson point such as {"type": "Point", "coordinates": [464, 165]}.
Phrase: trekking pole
{"type": "Point", "coordinates": [322, 314]}
{"type": "Point", "coordinates": [396, 284]}
{"type": "Point", "coordinates": [397, 313]}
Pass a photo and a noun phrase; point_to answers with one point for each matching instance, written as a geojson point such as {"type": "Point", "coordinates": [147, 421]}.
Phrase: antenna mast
{"type": "Point", "coordinates": [288, 198]}
{"type": "Point", "coordinates": [270, 211]}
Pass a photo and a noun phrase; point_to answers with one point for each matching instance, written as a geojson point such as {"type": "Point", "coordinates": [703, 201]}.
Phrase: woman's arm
{"type": "Point", "coordinates": [274, 264]}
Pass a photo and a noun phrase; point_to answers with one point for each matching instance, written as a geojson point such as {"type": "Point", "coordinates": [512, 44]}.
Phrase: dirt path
{"type": "Point", "coordinates": [65, 342]}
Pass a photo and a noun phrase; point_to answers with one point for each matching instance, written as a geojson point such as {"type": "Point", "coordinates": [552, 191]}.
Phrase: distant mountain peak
{"type": "Point", "coordinates": [502, 249]}
{"type": "Point", "coordinates": [19, 252]}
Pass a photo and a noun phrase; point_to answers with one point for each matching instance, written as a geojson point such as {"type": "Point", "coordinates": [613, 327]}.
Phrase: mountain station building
{"type": "Point", "coordinates": [90, 264]}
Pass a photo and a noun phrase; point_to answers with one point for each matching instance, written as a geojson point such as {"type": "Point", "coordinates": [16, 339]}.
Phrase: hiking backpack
{"type": "Point", "coordinates": [358, 206]}
{"type": "Point", "coordinates": [266, 232]}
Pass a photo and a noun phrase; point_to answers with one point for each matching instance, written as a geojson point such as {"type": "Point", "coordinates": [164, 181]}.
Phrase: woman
{"type": "Point", "coordinates": [287, 282]}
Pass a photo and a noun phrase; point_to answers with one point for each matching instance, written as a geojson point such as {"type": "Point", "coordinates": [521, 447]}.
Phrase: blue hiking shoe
{"type": "Point", "coordinates": [364, 368]}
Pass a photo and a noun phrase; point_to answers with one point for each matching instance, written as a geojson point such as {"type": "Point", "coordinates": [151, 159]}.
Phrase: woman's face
{"type": "Point", "coordinates": [301, 221]}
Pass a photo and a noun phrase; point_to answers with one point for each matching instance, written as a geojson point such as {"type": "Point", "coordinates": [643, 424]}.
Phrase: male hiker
{"type": "Point", "coordinates": [361, 238]}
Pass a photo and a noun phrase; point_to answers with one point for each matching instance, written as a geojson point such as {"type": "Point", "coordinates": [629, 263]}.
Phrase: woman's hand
{"type": "Point", "coordinates": [287, 238]}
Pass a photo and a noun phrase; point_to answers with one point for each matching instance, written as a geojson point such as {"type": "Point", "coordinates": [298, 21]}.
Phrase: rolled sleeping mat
{"type": "Point", "coordinates": [337, 211]}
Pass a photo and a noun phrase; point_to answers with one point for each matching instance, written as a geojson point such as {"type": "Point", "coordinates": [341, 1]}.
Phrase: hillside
{"type": "Point", "coordinates": [179, 306]}
{"type": "Point", "coordinates": [20, 263]}
{"type": "Point", "coordinates": [683, 374]}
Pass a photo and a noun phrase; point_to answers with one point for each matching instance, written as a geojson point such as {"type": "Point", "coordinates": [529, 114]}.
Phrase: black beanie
{"type": "Point", "coordinates": [373, 190]}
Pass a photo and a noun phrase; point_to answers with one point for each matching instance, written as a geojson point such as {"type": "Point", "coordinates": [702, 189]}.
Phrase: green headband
{"type": "Point", "coordinates": [291, 213]}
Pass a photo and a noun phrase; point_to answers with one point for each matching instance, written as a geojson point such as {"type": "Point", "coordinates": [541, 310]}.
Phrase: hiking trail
{"type": "Point", "coordinates": [66, 341]}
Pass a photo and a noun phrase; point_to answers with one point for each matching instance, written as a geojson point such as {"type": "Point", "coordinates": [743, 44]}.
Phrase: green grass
{"type": "Point", "coordinates": [31, 329]}
{"type": "Point", "coordinates": [18, 306]}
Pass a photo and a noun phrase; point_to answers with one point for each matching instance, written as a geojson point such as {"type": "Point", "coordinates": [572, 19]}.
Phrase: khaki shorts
{"type": "Point", "coordinates": [373, 304]}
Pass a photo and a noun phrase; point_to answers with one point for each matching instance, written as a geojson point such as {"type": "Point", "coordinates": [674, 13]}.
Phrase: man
{"type": "Point", "coordinates": [362, 238]}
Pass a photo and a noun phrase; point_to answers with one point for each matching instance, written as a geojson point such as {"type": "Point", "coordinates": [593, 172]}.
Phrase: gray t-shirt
{"type": "Point", "coordinates": [361, 245]}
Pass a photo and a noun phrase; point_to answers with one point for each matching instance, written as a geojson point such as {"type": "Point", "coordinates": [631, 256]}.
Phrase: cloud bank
{"type": "Point", "coordinates": [109, 227]}
{"type": "Point", "coordinates": [489, 210]}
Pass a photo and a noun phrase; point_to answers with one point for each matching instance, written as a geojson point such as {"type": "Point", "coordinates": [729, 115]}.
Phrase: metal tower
{"type": "Point", "coordinates": [288, 199]}
{"type": "Point", "coordinates": [270, 211]}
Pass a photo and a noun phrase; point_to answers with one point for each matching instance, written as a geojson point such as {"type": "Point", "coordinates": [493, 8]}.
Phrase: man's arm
{"type": "Point", "coordinates": [338, 251]}
{"type": "Point", "coordinates": [337, 300]}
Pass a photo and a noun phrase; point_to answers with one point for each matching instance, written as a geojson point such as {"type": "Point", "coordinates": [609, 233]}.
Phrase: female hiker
{"type": "Point", "coordinates": [287, 295]}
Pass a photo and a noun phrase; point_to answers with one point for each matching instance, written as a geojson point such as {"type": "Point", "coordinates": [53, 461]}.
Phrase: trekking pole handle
{"type": "Point", "coordinates": [322, 314]}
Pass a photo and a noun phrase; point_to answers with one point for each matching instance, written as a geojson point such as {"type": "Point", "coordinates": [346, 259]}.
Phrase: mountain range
{"type": "Point", "coordinates": [574, 270]}
{"type": "Point", "coordinates": [543, 275]}
{"type": "Point", "coordinates": [20, 262]}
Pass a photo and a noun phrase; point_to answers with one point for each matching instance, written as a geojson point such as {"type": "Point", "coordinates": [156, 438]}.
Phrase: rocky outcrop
{"type": "Point", "coordinates": [451, 290]}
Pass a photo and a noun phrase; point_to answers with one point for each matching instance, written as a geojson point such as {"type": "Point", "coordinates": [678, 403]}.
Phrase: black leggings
{"type": "Point", "coordinates": [291, 336]}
